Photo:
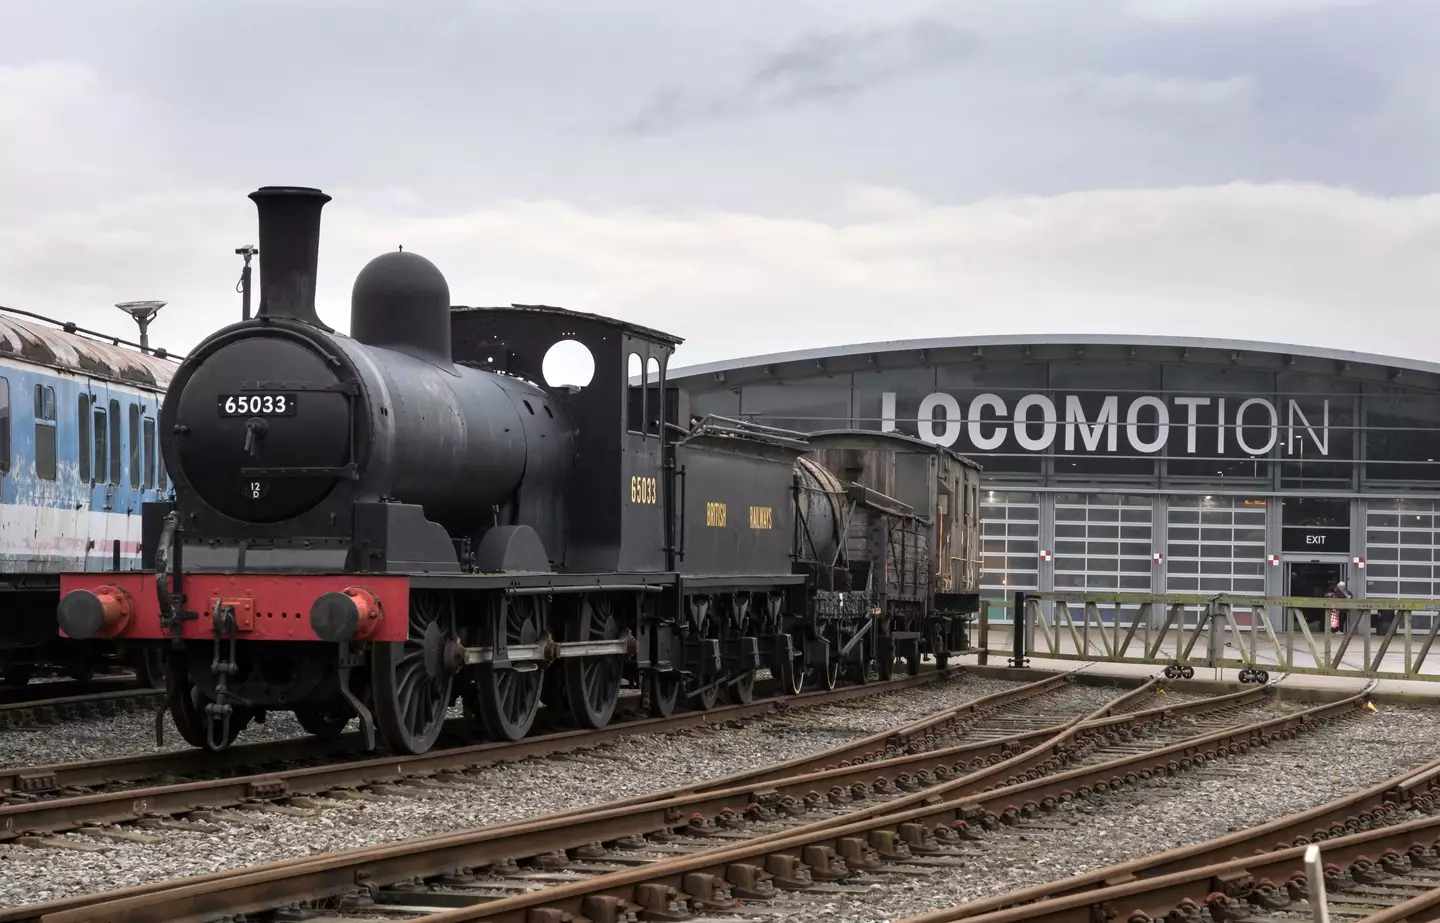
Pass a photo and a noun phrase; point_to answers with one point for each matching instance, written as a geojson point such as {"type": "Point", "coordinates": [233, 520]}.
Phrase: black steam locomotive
{"type": "Point", "coordinates": [373, 526]}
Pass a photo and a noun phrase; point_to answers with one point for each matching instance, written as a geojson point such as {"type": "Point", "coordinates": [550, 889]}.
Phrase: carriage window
{"type": "Point", "coordinates": [102, 446]}
{"type": "Point", "coordinates": [136, 461]}
{"type": "Point", "coordinates": [164, 480]}
{"type": "Point", "coordinates": [149, 454]}
{"type": "Point", "coordinates": [83, 439]}
{"type": "Point", "coordinates": [44, 403]}
{"type": "Point", "coordinates": [635, 407]}
{"type": "Point", "coordinates": [45, 436]}
{"type": "Point", "coordinates": [4, 426]}
{"type": "Point", "coordinates": [117, 443]}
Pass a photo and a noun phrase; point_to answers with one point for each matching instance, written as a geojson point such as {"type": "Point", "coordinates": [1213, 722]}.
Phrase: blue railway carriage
{"type": "Point", "coordinates": [79, 454]}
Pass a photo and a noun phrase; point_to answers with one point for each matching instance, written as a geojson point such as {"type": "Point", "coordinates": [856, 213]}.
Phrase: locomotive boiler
{"type": "Point", "coordinates": [372, 526]}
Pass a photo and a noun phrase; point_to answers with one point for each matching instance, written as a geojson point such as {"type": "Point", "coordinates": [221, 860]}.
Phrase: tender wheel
{"type": "Point", "coordinates": [742, 691]}
{"type": "Point", "coordinates": [508, 699]}
{"type": "Point", "coordinates": [328, 719]}
{"type": "Point", "coordinates": [706, 700]}
{"type": "Point", "coordinates": [664, 693]}
{"type": "Point", "coordinates": [827, 671]}
{"type": "Point", "coordinates": [1187, 672]}
{"type": "Point", "coordinates": [791, 673]}
{"type": "Point", "coordinates": [1171, 671]}
{"type": "Point", "coordinates": [412, 679]}
{"type": "Point", "coordinates": [1262, 676]}
{"type": "Point", "coordinates": [592, 684]}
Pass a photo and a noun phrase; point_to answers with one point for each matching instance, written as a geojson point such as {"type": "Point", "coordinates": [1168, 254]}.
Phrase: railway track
{"type": "Point", "coordinates": [1380, 849]}
{"type": "Point", "coordinates": [738, 841]}
{"type": "Point", "coordinates": [49, 704]}
{"type": "Point", "coordinates": [42, 800]}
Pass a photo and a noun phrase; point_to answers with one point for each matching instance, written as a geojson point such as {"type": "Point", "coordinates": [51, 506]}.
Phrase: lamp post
{"type": "Point", "coordinates": [248, 251]}
{"type": "Point", "coordinates": [143, 312]}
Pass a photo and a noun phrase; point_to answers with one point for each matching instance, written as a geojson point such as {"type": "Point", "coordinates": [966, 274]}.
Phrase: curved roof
{"type": "Point", "coordinates": [54, 348]}
{"type": "Point", "coordinates": [900, 353]}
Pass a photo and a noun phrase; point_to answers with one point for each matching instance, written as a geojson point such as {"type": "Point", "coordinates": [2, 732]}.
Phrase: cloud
{"type": "Point", "coordinates": [1228, 11]}
{"type": "Point", "coordinates": [815, 68]}
{"type": "Point", "coordinates": [1136, 90]}
{"type": "Point", "coordinates": [69, 135]}
{"type": "Point", "coordinates": [1308, 264]}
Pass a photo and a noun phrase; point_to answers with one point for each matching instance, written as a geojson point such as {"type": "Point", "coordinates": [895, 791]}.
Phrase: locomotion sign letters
{"type": "Point", "coordinates": [1041, 423]}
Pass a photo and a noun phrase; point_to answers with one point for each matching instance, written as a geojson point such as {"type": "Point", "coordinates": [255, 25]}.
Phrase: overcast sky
{"type": "Point", "coordinates": [752, 175]}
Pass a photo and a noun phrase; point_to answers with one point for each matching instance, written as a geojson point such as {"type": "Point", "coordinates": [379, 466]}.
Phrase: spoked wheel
{"type": "Point", "coordinates": [592, 684]}
{"type": "Point", "coordinates": [412, 679]}
{"type": "Point", "coordinates": [327, 719]}
{"type": "Point", "coordinates": [507, 699]}
{"type": "Point", "coordinates": [187, 710]}
{"type": "Point", "coordinates": [664, 693]}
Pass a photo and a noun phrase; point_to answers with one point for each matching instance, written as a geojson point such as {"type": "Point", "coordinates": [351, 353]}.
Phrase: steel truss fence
{"type": "Point", "coordinates": [1376, 638]}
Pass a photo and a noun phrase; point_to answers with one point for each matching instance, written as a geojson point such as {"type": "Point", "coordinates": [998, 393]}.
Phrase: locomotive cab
{"type": "Point", "coordinates": [619, 452]}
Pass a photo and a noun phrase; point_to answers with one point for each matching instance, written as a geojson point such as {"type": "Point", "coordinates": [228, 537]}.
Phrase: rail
{"type": "Point", "coordinates": [1377, 638]}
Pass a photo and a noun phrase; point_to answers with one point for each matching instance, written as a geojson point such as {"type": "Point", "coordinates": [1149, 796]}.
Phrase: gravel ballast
{"type": "Point", "coordinates": [630, 766]}
{"type": "Point", "coordinates": [1268, 783]}
{"type": "Point", "coordinates": [84, 739]}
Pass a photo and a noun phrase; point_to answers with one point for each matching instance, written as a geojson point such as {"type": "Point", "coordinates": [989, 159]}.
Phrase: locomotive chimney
{"type": "Point", "coordinates": [289, 251]}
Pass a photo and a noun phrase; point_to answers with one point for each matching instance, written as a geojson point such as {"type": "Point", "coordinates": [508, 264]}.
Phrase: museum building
{"type": "Point", "coordinates": [1145, 464]}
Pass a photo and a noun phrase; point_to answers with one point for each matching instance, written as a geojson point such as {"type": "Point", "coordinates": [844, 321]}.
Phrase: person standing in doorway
{"type": "Point", "coordinates": [1339, 618]}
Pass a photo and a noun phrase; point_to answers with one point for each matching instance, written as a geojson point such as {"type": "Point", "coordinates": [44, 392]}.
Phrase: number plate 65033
{"type": "Point", "coordinates": [258, 404]}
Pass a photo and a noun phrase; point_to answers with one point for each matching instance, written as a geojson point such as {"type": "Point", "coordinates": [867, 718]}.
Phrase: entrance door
{"type": "Point", "coordinates": [1313, 579]}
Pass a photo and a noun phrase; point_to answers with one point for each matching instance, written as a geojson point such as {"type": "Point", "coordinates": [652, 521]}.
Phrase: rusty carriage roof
{"type": "Point", "coordinates": [70, 348]}
{"type": "Point", "coordinates": [890, 440]}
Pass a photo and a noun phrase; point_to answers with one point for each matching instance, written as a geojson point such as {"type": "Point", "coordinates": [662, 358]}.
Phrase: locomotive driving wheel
{"type": "Point", "coordinates": [412, 679]}
{"type": "Point", "coordinates": [593, 683]}
{"type": "Point", "coordinates": [507, 699]}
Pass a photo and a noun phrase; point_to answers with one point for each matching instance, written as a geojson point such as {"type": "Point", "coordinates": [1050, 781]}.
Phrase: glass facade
{"type": "Point", "coordinates": [1009, 542]}
{"type": "Point", "coordinates": [1400, 548]}
{"type": "Point", "coordinates": [1103, 542]}
{"type": "Point", "coordinates": [1230, 466]}
{"type": "Point", "coordinates": [1216, 545]}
